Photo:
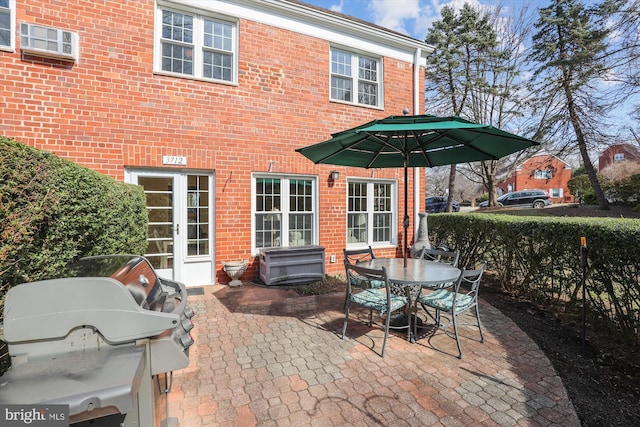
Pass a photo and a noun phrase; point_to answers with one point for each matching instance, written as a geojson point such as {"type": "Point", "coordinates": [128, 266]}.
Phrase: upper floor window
{"type": "Point", "coordinates": [7, 12]}
{"type": "Point", "coordinates": [370, 212]}
{"type": "Point", "coordinates": [354, 75]}
{"type": "Point", "coordinates": [285, 211]}
{"type": "Point", "coordinates": [542, 174]}
{"type": "Point", "coordinates": [618, 157]}
{"type": "Point", "coordinates": [199, 46]}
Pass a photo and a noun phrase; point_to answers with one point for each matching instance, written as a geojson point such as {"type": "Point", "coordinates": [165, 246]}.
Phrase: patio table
{"type": "Point", "coordinates": [416, 275]}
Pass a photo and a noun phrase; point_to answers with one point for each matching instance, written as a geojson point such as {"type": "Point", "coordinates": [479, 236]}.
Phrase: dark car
{"type": "Point", "coordinates": [522, 199]}
{"type": "Point", "coordinates": [437, 204]}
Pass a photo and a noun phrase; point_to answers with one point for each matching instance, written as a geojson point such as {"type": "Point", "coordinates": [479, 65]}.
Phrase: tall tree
{"type": "Point", "coordinates": [623, 19]}
{"type": "Point", "coordinates": [445, 73]}
{"type": "Point", "coordinates": [473, 73]}
{"type": "Point", "coordinates": [570, 46]}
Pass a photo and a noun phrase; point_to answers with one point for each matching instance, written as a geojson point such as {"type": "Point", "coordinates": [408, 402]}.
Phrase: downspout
{"type": "Point", "coordinates": [418, 96]}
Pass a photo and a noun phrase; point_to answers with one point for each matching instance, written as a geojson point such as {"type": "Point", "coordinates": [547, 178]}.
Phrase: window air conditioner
{"type": "Point", "coordinates": [48, 42]}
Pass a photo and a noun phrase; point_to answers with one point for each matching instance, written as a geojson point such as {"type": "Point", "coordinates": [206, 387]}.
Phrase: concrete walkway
{"type": "Point", "coordinates": [267, 357]}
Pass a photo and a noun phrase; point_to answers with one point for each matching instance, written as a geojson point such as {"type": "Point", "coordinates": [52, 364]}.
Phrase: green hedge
{"type": "Point", "coordinates": [540, 257]}
{"type": "Point", "coordinates": [53, 211]}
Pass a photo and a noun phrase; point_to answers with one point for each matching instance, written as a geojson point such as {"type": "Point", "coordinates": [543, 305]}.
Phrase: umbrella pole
{"type": "Point", "coordinates": [406, 216]}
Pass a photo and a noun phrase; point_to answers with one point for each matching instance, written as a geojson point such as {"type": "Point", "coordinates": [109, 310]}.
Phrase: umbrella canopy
{"type": "Point", "coordinates": [415, 141]}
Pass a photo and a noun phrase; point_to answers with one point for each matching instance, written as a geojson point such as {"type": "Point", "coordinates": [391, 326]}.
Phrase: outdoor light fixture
{"type": "Point", "coordinates": [335, 175]}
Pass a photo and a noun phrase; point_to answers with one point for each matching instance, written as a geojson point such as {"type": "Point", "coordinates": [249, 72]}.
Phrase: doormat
{"type": "Point", "coordinates": [195, 291]}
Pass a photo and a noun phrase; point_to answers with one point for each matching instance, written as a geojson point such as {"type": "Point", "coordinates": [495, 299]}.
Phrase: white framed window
{"type": "Point", "coordinates": [284, 211]}
{"type": "Point", "coordinates": [7, 24]}
{"type": "Point", "coordinates": [542, 174]}
{"type": "Point", "coordinates": [556, 192]}
{"type": "Point", "coordinates": [618, 157]}
{"type": "Point", "coordinates": [355, 78]}
{"type": "Point", "coordinates": [195, 45]}
{"type": "Point", "coordinates": [371, 212]}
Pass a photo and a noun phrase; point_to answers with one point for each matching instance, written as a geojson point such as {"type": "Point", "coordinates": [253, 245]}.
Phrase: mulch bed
{"type": "Point", "coordinates": [602, 377]}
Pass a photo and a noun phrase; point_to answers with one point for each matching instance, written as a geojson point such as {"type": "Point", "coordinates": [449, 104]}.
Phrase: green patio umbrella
{"type": "Point", "coordinates": [415, 141]}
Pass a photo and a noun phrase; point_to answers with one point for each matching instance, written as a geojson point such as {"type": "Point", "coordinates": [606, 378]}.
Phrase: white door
{"type": "Point", "coordinates": [180, 234]}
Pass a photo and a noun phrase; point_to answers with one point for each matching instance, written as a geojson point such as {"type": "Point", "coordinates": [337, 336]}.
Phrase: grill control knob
{"type": "Point", "coordinates": [186, 341]}
{"type": "Point", "coordinates": [187, 325]}
{"type": "Point", "coordinates": [188, 312]}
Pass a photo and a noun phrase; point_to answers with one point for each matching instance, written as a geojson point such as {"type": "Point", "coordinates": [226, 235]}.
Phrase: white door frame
{"type": "Point", "coordinates": [191, 269]}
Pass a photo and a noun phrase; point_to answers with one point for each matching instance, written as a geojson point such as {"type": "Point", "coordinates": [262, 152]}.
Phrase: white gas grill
{"type": "Point", "coordinates": [95, 339]}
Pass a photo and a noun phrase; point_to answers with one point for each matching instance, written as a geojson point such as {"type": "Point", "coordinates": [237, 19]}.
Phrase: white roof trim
{"type": "Point", "coordinates": [547, 155]}
{"type": "Point", "coordinates": [315, 22]}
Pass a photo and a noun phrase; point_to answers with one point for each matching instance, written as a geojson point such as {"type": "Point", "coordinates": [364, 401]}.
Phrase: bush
{"type": "Point", "coordinates": [590, 198]}
{"type": "Point", "coordinates": [53, 211]}
{"type": "Point", "coordinates": [483, 198]}
{"type": "Point", "coordinates": [627, 190]}
{"type": "Point", "coordinates": [329, 284]}
{"type": "Point", "coordinates": [540, 257]}
{"type": "Point", "coordinates": [581, 188]}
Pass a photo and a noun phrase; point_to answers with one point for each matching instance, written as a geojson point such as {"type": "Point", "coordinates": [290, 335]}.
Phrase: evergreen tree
{"type": "Point", "coordinates": [473, 74]}
{"type": "Point", "coordinates": [569, 47]}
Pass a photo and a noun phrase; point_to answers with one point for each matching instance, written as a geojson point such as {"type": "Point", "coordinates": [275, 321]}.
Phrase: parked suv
{"type": "Point", "coordinates": [522, 199]}
{"type": "Point", "coordinates": [435, 204]}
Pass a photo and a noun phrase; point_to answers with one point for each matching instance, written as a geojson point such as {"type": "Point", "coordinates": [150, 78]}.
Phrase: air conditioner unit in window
{"type": "Point", "coordinates": [48, 42]}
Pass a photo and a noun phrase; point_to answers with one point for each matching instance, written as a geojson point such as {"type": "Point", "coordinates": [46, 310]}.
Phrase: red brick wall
{"type": "Point", "coordinates": [606, 159]}
{"type": "Point", "coordinates": [109, 111]}
{"type": "Point", "coordinates": [523, 178]}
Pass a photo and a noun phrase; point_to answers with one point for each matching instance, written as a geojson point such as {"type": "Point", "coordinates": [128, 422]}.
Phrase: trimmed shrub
{"type": "Point", "coordinates": [539, 257]}
{"type": "Point", "coordinates": [627, 190]}
{"type": "Point", "coordinates": [53, 211]}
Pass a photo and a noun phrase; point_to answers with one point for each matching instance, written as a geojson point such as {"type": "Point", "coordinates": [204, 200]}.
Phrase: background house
{"type": "Point", "coordinates": [203, 104]}
{"type": "Point", "coordinates": [617, 153]}
{"type": "Point", "coordinates": [541, 172]}
{"type": "Point", "coordinates": [619, 161]}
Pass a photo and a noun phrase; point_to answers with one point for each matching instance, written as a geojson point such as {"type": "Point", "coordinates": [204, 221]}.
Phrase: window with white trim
{"type": "Point", "coordinates": [202, 47]}
{"type": "Point", "coordinates": [7, 17]}
{"type": "Point", "coordinates": [351, 72]}
{"type": "Point", "coordinates": [542, 174]}
{"type": "Point", "coordinates": [285, 212]}
{"type": "Point", "coordinates": [618, 157]}
{"type": "Point", "coordinates": [371, 212]}
{"type": "Point", "coordinates": [556, 192]}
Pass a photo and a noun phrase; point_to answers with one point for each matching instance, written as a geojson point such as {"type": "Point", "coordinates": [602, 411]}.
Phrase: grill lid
{"type": "Point", "coordinates": [133, 271]}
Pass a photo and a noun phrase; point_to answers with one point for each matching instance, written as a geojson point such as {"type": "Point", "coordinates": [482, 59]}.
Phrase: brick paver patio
{"type": "Point", "coordinates": [267, 357]}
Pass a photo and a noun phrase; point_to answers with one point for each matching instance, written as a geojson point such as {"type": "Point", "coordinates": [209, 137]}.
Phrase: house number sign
{"type": "Point", "coordinates": [174, 160]}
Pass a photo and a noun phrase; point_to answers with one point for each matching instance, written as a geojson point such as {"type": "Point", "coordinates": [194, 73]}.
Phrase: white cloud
{"type": "Point", "coordinates": [413, 17]}
{"type": "Point", "coordinates": [393, 14]}
{"type": "Point", "coordinates": [337, 7]}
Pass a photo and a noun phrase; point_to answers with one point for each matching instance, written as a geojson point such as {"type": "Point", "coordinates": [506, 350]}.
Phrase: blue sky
{"type": "Point", "coordinates": [411, 17]}
{"type": "Point", "coordinates": [414, 17]}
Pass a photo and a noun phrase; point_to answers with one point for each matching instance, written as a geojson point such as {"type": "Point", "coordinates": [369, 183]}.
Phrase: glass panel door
{"type": "Point", "coordinates": [198, 215]}
{"type": "Point", "coordinates": [180, 241]}
{"type": "Point", "coordinates": [159, 195]}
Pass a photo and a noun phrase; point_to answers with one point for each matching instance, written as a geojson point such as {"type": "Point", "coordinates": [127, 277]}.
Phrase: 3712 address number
{"type": "Point", "coordinates": [174, 160]}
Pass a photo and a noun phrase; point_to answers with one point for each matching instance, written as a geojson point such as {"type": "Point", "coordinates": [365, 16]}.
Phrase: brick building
{"type": "Point", "coordinates": [203, 104]}
{"type": "Point", "coordinates": [616, 154]}
{"type": "Point", "coordinates": [541, 172]}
